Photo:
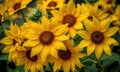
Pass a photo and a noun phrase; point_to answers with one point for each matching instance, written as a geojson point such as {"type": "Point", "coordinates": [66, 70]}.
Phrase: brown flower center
{"type": "Point", "coordinates": [34, 58]}
{"type": "Point", "coordinates": [14, 42]}
{"type": "Point", "coordinates": [97, 37]}
{"type": "Point", "coordinates": [70, 19]}
{"type": "Point", "coordinates": [90, 18]}
{"type": "Point", "coordinates": [52, 4]}
{"type": "Point", "coordinates": [65, 55]}
{"type": "Point", "coordinates": [16, 6]}
{"type": "Point", "coordinates": [110, 12]}
{"type": "Point", "coordinates": [46, 37]}
{"type": "Point", "coordinates": [109, 1]}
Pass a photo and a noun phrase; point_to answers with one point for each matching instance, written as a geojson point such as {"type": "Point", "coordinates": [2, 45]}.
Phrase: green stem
{"type": "Point", "coordinates": [100, 66]}
{"type": "Point", "coordinates": [98, 62]}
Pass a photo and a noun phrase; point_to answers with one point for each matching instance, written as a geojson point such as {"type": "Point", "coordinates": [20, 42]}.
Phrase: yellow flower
{"type": "Point", "coordinates": [2, 12]}
{"type": "Point", "coordinates": [106, 4]}
{"type": "Point", "coordinates": [70, 15]}
{"type": "Point", "coordinates": [117, 14]}
{"type": "Point", "coordinates": [93, 11]}
{"type": "Point", "coordinates": [97, 37]}
{"type": "Point", "coordinates": [46, 37]}
{"type": "Point", "coordinates": [30, 63]}
{"type": "Point", "coordinates": [50, 5]}
{"type": "Point", "coordinates": [13, 41]}
{"type": "Point", "coordinates": [15, 5]}
{"type": "Point", "coordinates": [68, 59]}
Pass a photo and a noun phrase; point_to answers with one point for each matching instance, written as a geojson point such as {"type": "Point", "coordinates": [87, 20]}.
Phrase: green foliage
{"type": "Point", "coordinates": [91, 64]}
{"type": "Point", "coordinates": [4, 57]}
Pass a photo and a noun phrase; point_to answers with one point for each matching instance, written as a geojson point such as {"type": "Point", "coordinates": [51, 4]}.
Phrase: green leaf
{"type": "Point", "coordinates": [108, 60]}
{"type": "Point", "coordinates": [77, 39]}
{"type": "Point", "coordinates": [91, 60]}
{"type": "Point", "coordinates": [91, 68]}
{"type": "Point", "coordinates": [4, 57]}
{"type": "Point", "coordinates": [18, 69]}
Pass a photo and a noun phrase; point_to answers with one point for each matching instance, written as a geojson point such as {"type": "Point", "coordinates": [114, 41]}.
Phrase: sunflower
{"type": "Point", "coordinates": [13, 41]}
{"type": "Point", "coordinates": [2, 11]}
{"type": "Point", "coordinates": [97, 37]}
{"type": "Point", "coordinates": [68, 59]}
{"type": "Point", "coordinates": [15, 5]}
{"type": "Point", "coordinates": [46, 37]}
{"type": "Point", "coordinates": [50, 5]}
{"type": "Point", "coordinates": [70, 15]}
{"type": "Point", "coordinates": [93, 11]}
{"type": "Point", "coordinates": [106, 4]}
{"type": "Point", "coordinates": [117, 14]}
{"type": "Point", "coordinates": [30, 63]}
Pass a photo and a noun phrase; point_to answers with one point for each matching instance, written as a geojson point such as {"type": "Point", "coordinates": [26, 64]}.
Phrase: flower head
{"type": "Point", "coordinates": [97, 37]}
{"type": "Point", "coordinates": [15, 5]}
{"type": "Point", "coordinates": [68, 59]}
{"type": "Point", "coordinates": [13, 41]}
{"type": "Point", "coordinates": [46, 38]}
{"type": "Point", "coordinates": [34, 64]}
{"type": "Point", "coordinates": [50, 5]}
{"type": "Point", "coordinates": [71, 15]}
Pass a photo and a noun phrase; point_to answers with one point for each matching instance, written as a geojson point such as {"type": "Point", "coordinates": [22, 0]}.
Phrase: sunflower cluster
{"type": "Point", "coordinates": [47, 36]}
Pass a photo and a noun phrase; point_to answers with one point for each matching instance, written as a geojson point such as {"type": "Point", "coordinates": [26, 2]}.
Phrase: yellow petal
{"type": "Point", "coordinates": [27, 66]}
{"type": "Point", "coordinates": [36, 50]}
{"type": "Point", "coordinates": [31, 34]}
{"type": "Point", "coordinates": [77, 10]}
{"type": "Point", "coordinates": [83, 43]}
{"type": "Point", "coordinates": [81, 17]}
{"type": "Point", "coordinates": [90, 49]}
{"type": "Point", "coordinates": [105, 24]}
{"type": "Point", "coordinates": [111, 31]}
{"type": "Point", "coordinates": [45, 52]}
{"type": "Point", "coordinates": [6, 40]}
{"type": "Point", "coordinates": [40, 68]}
{"type": "Point", "coordinates": [21, 61]}
{"type": "Point", "coordinates": [6, 49]}
{"type": "Point", "coordinates": [13, 48]}
{"type": "Point", "coordinates": [55, 13]}
{"type": "Point", "coordinates": [59, 45]}
{"type": "Point", "coordinates": [31, 43]}
{"type": "Point", "coordinates": [33, 68]}
{"type": "Point", "coordinates": [83, 34]}
{"type": "Point", "coordinates": [56, 66]}
{"type": "Point", "coordinates": [9, 33]}
{"type": "Point", "coordinates": [21, 48]}
{"type": "Point", "coordinates": [72, 65]}
{"type": "Point", "coordinates": [110, 41]}
{"type": "Point", "coordinates": [81, 55]}
{"type": "Point", "coordinates": [53, 52]}
{"type": "Point", "coordinates": [10, 55]}
{"type": "Point", "coordinates": [54, 22]}
{"type": "Point", "coordinates": [96, 21]}
{"type": "Point", "coordinates": [15, 29]}
{"type": "Point", "coordinates": [79, 63]}
{"type": "Point", "coordinates": [72, 32]}
{"type": "Point", "coordinates": [98, 51]}
{"type": "Point", "coordinates": [69, 43]}
{"type": "Point", "coordinates": [78, 25]}
{"type": "Point", "coordinates": [107, 49]}
{"type": "Point", "coordinates": [45, 22]}
{"type": "Point", "coordinates": [66, 67]}
{"type": "Point", "coordinates": [70, 6]}
{"type": "Point", "coordinates": [62, 38]}
{"type": "Point", "coordinates": [60, 30]}
{"type": "Point", "coordinates": [88, 24]}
